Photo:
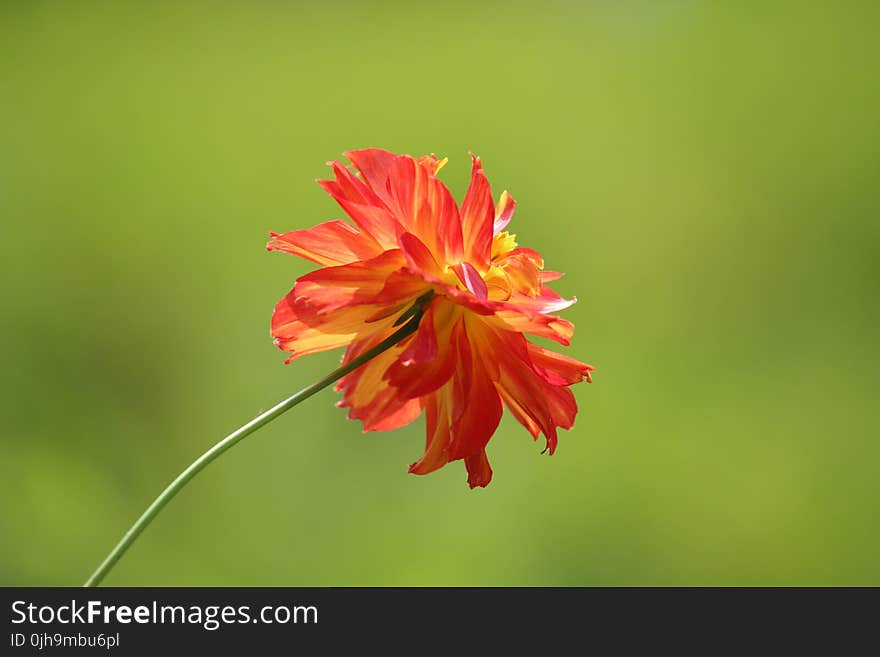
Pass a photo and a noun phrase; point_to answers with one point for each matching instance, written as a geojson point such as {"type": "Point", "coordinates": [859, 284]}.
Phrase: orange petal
{"type": "Point", "coordinates": [330, 243]}
{"type": "Point", "coordinates": [438, 408]}
{"type": "Point", "coordinates": [363, 205]}
{"type": "Point", "coordinates": [522, 275]}
{"type": "Point", "coordinates": [543, 301]}
{"type": "Point", "coordinates": [503, 212]}
{"type": "Point", "coordinates": [328, 307]}
{"type": "Point", "coordinates": [545, 276]}
{"type": "Point", "coordinates": [558, 369]}
{"type": "Point", "coordinates": [367, 396]}
{"type": "Point", "coordinates": [529, 254]}
{"type": "Point", "coordinates": [477, 218]}
{"type": "Point", "coordinates": [299, 329]}
{"type": "Point", "coordinates": [390, 419]}
{"type": "Point", "coordinates": [544, 326]}
{"type": "Point", "coordinates": [330, 288]}
{"type": "Point", "coordinates": [425, 207]}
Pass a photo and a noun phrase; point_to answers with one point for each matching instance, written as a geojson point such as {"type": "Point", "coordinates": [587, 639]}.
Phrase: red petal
{"type": "Point", "coordinates": [401, 284]}
{"type": "Point", "coordinates": [479, 471]}
{"type": "Point", "coordinates": [472, 280]}
{"type": "Point", "coordinates": [430, 359]}
{"type": "Point", "coordinates": [477, 218]}
{"type": "Point", "coordinates": [419, 259]}
{"type": "Point", "coordinates": [535, 403]}
{"type": "Point", "coordinates": [467, 299]}
{"type": "Point", "coordinates": [375, 167]}
{"type": "Point", "coordinates": [423, 348]}
{"type": "Point", "coordinates": [476, 405]}
{"type": "Point", "coordinates": [363, 205]}
{"type": "Point", "coordinates": [330, 243]}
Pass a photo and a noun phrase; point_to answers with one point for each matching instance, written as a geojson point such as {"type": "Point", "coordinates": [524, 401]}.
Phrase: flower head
{"type": "Point", "coordinates": [412, 248]}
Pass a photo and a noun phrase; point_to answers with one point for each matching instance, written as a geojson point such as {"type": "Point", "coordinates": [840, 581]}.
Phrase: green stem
{"type": "Point", "coordinates": [261, 420]}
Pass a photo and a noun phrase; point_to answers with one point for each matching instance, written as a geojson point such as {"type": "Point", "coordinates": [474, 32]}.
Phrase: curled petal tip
{"type": "Point", "coordinates": [550, 448]}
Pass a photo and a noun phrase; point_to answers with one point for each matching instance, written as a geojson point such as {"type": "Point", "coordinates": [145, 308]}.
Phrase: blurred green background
{"type": "Point", "coordinates": [705, 173]}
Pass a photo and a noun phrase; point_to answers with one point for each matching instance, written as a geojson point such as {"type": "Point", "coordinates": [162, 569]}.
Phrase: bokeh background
{"type": "Point", "coordinates": [705, 173]}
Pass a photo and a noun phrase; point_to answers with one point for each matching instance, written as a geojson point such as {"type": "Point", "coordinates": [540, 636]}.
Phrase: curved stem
{"type": "Point", "coordinates": [242, 432]}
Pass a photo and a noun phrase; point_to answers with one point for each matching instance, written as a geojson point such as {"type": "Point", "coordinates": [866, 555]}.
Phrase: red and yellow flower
{"type": "Point", "coordinates": [480, 292]}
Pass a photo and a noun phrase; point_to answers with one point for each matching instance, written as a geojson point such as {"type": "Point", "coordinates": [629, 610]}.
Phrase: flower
{"type": "Point", "coordinates": [414, 248]}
